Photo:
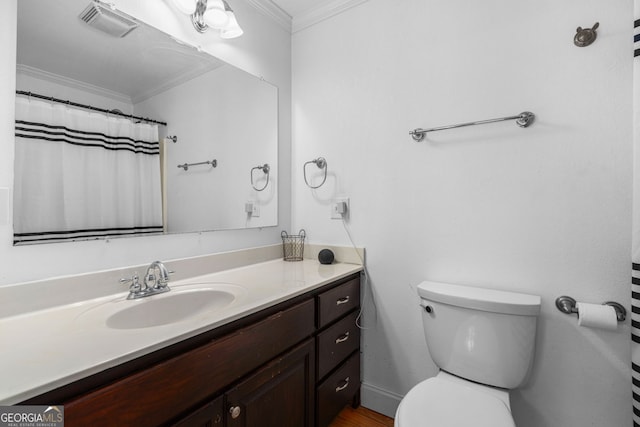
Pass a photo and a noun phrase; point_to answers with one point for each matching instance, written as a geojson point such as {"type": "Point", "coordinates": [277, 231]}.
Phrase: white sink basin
{"type": "Point", "coordinates": [179, 304]}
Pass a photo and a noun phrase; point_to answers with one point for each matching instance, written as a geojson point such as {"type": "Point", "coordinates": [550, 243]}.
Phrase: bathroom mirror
{"type": "Point", "coordinates": [215, 113]}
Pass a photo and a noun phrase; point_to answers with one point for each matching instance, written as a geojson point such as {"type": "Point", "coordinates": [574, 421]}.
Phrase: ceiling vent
{"type": "Point", "coordinates": [107, 20]}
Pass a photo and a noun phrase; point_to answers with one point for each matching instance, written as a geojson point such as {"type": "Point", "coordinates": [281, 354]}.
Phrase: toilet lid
{"type": "Point", "coordinates": [441, 403]}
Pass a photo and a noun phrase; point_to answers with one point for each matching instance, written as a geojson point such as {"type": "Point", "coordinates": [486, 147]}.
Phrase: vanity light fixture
{"type": "Point", "coordinates": [232, 29]}
{"type": "Point", "coordinates": [188, 7]}
{"type": "Point", "coordinates": [216, 14]}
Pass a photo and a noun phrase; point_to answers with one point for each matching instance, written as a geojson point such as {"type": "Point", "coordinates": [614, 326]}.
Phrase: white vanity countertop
{"type": "Point", "coordinates": [46, 349]}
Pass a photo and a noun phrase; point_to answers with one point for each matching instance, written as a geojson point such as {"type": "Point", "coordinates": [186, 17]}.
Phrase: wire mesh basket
{"type": "Point", "coordinates": [293, 245]}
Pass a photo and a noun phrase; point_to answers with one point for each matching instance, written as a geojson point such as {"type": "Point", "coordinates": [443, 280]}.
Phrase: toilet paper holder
{"type": "Point", "coordinates": [567, 305]}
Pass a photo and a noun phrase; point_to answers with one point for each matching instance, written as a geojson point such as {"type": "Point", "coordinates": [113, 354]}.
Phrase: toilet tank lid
{"type": "Point", "coordinates": [483, 299]}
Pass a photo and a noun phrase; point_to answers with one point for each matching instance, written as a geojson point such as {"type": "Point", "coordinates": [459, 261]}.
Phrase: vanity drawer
{"type": "Point", "coordinates": [338, 390]}
{"type": "Point", "coordinates": [338, 301]}
{"type": "Point", "coordinates": [161, 392]}
{"type": "Point", "coordinates": [336, 343]}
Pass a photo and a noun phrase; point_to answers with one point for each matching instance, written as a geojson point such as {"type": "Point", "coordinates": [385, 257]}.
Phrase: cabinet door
{"type": "Point", "coordinates": [210, 415]}
{"type": "Point", "coordinates": [281, 394]}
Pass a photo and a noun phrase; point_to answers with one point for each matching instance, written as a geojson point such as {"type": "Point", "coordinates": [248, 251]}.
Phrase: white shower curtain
{"type": "Point", "coordinates": [82, 175]}
{"type": "Point", "coordinates": [635, 279]}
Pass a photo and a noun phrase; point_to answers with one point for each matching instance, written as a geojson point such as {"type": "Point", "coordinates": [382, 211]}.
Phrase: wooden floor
{"type": "Point", "coordinates": [361, 417]}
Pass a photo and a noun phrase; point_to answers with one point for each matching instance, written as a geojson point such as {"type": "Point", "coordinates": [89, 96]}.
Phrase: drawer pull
{"type": "Point", "coordinates": [343, 386]}
{"type": "Point", "coordinates": [342, 338]}
{"type": "Point", "coordinates": [343, 300]}
{"type": "Point", "coordinates": [234, 411]}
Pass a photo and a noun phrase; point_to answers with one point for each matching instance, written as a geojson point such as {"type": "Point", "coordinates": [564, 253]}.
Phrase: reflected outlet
{"type": "Point", "coordinates": [252, 209]}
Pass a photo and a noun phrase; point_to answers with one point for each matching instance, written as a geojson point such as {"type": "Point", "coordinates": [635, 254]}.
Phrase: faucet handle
{"type": "Point", "coordinates": [159, 281]}
{"type": "Point", "coordinates": [134, 282]}
{"type": "Point", "coordinates": [165, 280]}
{"type": "Point", "coordinates": [169, 272]}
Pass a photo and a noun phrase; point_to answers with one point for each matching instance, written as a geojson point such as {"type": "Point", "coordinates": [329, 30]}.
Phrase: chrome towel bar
{"type": "Point", "coordinates": [523, 120]}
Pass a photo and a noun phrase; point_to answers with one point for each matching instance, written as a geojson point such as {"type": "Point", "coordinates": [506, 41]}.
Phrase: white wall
{"type": "Point", "coordinates": [264, 50]}
{"type": "Point", "coordinates": [544, 210]}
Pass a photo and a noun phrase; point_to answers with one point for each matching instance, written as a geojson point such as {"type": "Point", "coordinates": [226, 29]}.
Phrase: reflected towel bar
{"type": "Point", "coordinates": [523, 120]}
{"type": "Point", "coordinates": [213, 163]}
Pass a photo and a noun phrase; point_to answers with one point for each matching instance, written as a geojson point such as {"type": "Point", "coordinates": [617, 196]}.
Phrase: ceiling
{"type": "Point", "coordinates": [53, 42]}
{"type": "Point", "coordinates": [295, 8]}
{"type": "Point", "coordinates": [53, 39]}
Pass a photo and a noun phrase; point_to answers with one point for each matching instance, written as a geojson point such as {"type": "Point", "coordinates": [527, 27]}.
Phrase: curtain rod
{"type": "Point", "coordinates": [89, 107]}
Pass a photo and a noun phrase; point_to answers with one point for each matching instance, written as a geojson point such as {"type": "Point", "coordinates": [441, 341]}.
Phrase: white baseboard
{"type": "Point", "coordinates": [379, 400]}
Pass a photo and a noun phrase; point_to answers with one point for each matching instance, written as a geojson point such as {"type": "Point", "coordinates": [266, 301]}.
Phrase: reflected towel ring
{"type": "Point", "coordinates": [321, 163]}
{"type": "Point", "coordinates": [266, 169]}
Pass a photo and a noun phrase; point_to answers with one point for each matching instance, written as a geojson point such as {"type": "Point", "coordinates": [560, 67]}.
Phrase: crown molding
{"type": "Point", "coordinates": [72, 83]}
{"type": "Point", "coordinates": [324, 11]}
{"type": "Point", "coordinates": [271, 10]}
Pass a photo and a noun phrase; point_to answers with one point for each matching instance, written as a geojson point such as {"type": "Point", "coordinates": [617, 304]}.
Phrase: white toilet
{"type": "Point", "coordinates": [483, 341]}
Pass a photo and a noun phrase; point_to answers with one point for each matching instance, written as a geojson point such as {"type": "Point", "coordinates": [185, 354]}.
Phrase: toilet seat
{"type": "Point", "coordinates": [442, 402]}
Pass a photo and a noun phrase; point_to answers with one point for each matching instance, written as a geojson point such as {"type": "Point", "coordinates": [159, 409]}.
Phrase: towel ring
{"type": "Point", "coordinates": [264, 168]}
{"type": "Point", "coordinates": [321, 163]}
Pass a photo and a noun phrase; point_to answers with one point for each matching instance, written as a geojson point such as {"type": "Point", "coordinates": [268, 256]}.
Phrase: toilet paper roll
{"type": "Point", "coordinates": [597, 316]}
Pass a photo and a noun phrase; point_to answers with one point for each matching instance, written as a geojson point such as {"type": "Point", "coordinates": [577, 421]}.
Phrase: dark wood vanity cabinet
{"type": "Point", "coordinates": [296, 364]}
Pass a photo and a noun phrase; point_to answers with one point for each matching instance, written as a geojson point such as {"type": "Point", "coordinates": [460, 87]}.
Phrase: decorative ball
{"type": "Point", "coordinates": [325, 256]}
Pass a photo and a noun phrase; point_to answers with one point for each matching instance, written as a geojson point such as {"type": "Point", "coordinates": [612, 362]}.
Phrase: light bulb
{"type": "Point", "coordinates": [232, 30]}
{"type": "Point", "coordinates": [215, 15]}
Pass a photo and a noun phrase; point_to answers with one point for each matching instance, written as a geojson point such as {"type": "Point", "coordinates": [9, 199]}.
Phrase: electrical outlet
{"type": "Point", "coordinates": [340, 208]}
{"type": "Point", "coordinates": [255, 212]}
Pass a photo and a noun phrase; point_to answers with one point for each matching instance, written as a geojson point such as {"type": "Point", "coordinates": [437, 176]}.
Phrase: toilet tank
{"type": "Point", "coordinates": [484, 335]}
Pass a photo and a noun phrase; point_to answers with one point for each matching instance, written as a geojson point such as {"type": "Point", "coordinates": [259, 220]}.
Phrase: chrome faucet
{"type": "Point", "coordinates": [155, 281]}
{"type": "Point", "coordinates": [160, 279]}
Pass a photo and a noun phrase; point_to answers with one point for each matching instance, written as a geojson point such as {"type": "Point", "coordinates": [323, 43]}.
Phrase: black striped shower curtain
{"type": "Point", "coordinates": [82, 175]}
{"type": "Point", "coordinates": [635, 275]}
